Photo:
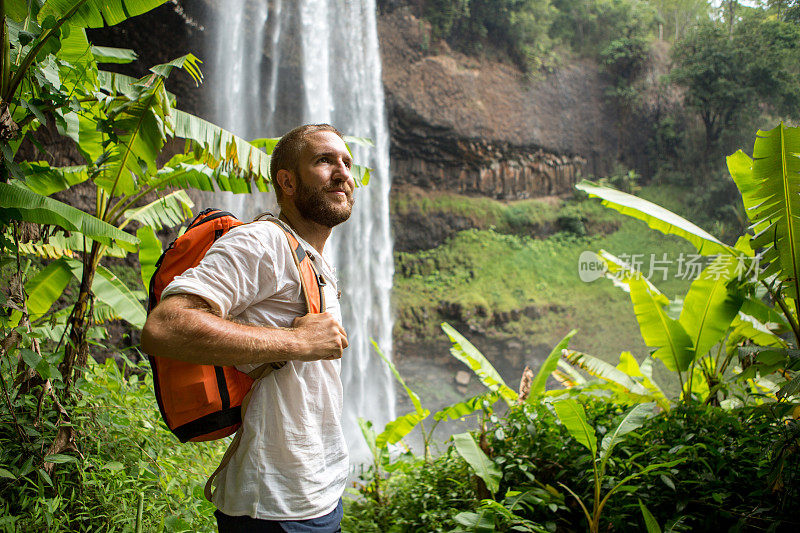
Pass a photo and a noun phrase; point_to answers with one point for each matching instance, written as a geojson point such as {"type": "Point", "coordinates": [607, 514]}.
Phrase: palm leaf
{"type": "Point", "coordinates": [711, 304]}
{"type": "Point", "coordinates": [669, 338]}
{"type": "Point", "coordinates": [167, 211]}
{"type": "Point", "coordinates": [465, 352]}
{"type": "Point", "coordinates": [97, 13]}
{"type": "Point", "coordinates": [573, 417]}
{"type": "Point", "coordinates": [22, 204]}
{"type": "Point", "coordinates": [770, 187]}
{"type": "Point", "coordinates": [549, 364]}
{"type": "Point", "coordinates": [656, 217]}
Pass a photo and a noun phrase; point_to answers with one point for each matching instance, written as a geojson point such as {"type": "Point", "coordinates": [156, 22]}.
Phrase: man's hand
{"type": "Point", "coordinates": [322, 336]}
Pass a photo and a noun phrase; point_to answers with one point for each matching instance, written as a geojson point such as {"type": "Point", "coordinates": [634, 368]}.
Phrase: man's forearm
{"type": "Point", "coordinates": [183, 327]}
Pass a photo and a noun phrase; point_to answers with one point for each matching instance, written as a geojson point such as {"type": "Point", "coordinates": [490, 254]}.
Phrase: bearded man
{"type": "Point", "coordinates": [243, 306]}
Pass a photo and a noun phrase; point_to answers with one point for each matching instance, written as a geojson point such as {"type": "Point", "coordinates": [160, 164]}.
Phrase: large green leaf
{"type": "Point", "coordinates": [46, 287]}
{"type": "Point", "coordinates": [633, 420]}
{"type": "Point", "coordinates": [484, 467]}
{"type": "Point", "coordinates": [770, 187]}
{"type": "Point", "coordinates": [549, 364]}
{"type": "Point", "coordinates": [621, 273]}
{"type": "Point", "coordinates": [623, 375]}
{"type": "Point", "coordinates": [713, 301]}
{"type": "Point", "coordinates": [105, 54]}
{"type": "Point", "coordinates": [43, 179]}
{"type": "Point", "coordinates": [110, 290]}
{"type": "Point", "coordinates": [97, 13]}
{"type": "Point", "coordinates": [656, 217]}
{"type": "Point", "coordinates": [215, 146]}
{"type": "Point", "coordinates": [669, 338]}
{"type": "Point", "coordinates": [411, 394]}
{"type": "Point", "coordinates": [140, 134]}
{"type": "Point", "coordinates": [468, 354]}
{"type": "Point", "coordinates": [149, 253]}
{"type": "Point", "coordinates": [572, 415]}
{"type": "Point", "coordinates": [400, 427]}
{"type": "Point", "coordinates": [167, 211]}
{"type": "Point", "coordinates": [466, 407]}
{"type": "Point", "coordinates": [22, 204]}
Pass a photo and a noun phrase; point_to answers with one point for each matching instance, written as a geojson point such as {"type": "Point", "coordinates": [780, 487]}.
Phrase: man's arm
{"type": "Point", "coordinates": [184, 326]}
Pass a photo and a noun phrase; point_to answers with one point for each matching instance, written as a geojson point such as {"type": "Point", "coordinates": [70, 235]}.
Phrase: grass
{"type": "Point", "coordinates": [517, 286]}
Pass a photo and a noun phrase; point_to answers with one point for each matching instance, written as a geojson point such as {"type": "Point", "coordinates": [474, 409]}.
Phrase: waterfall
{"type": "Point", "coordinates": [272, 65]}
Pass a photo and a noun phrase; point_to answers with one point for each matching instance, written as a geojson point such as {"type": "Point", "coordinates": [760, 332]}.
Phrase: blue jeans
{"type": "Point", "coordinates": [247, 524]}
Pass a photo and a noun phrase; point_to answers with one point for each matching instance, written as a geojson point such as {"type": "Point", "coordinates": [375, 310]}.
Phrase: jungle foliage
{"type": "Point", "coordinates": [617, 450]}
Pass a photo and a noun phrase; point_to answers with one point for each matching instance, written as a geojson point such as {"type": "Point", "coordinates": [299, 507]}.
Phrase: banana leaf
{"type": "Point", "coordinates": [622, 376]}
{"type": "Point", "coordinates": [22, 204]}
{"type": "Point", "coordinates": [770, 187]}
{"type": "Point", "coordinates": [149, 253]}
{"type": "Point", "coordinates": [633, 420]}
{"type": "Point", "coordinates": [656, 217]}
{"type": "Point", "coordinates": [573, 417]}
{"type": "Point", "coordinates": [620, 273]}
{"type": "Point", "coordinates": [106, 54]}
{"type": "Point", "coordinates": [549, 364]}
{"type": "Point", "coordinates": [400, 427]}
{"type": "Point", "coordinates": [484, 467]}
{"type": "Point", "coordinates": [46, 287]}
{"type": "Point", "coordinates": [95, 13]}
{"type": "Point", "coordinates": [468, 354]}
{"type": "Point", "coordinates": [43, 179]}
{"type": "Point", "coordinates": [60, 245]}
{"type": "Point", "coordinates": [215, 146]}
{"type": "Point", "coordinates": [713, 301]}
{"type": "Point", "coordinates": [670, 340]}
{"type": "Point", "coordinates": [411, 394]}
{"type": "Point", "coordinates": [466, 407]}
{"type": "Point", "coordinates": [110, 290]}
{"type": "Point", "coordinates": [168, 211]}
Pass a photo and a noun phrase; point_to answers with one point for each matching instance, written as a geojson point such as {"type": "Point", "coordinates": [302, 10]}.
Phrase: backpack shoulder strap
{"type": "Point", "coordinates": [311, 281]}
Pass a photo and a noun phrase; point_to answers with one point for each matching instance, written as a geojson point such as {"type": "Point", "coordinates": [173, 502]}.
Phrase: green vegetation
{"type": "Point", "coordinates": [716, 452]}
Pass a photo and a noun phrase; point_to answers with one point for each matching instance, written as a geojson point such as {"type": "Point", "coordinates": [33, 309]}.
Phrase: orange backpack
{"type": "Point", "coordinates": [204, 402]}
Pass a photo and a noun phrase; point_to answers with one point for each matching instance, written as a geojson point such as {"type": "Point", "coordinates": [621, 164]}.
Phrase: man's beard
{"type": "Point", "coordinates": [315, 205]}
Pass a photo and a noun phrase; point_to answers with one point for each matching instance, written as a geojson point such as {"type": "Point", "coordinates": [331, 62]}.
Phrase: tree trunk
{"type": "Point", "coordinates": [77, 348]}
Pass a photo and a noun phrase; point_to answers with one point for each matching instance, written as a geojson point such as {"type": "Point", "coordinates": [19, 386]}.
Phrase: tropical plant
{"type": "Point", "coordinates": [573, 416]}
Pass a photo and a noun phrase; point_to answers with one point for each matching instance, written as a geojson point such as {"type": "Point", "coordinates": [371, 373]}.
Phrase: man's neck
{"type": "Point", "coordinates": [314, 234]}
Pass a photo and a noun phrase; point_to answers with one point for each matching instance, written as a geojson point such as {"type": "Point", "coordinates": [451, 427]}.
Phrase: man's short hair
{"type": "Point", "coordinates": [286, 154]}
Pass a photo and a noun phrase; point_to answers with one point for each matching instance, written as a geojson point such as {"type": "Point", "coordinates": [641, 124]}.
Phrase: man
{"type": "Point", "coordinates": [242, 306]}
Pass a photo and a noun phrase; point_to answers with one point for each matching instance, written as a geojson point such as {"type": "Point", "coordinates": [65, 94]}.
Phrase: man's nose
{"type": "Point", "coordinates": [343, 172]}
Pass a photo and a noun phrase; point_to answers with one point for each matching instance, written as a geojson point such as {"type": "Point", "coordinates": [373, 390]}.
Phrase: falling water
{"type": "Point", "coordinates": [275, 64]}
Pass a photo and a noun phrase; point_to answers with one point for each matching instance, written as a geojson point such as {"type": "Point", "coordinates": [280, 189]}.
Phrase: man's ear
{"type": "Point", "coordinates": [287, 182]}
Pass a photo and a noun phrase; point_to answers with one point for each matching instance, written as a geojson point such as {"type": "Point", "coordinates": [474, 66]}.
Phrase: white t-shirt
{"type": "Point", "coordinates": [292, 462]}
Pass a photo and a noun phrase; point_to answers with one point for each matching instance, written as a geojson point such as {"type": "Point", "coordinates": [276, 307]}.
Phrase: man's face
{"type": "Point", "coordinates": [324, 182]}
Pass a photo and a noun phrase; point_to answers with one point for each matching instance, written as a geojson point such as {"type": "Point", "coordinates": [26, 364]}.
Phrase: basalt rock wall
{"type": "Point", "coordinates": [475, 126]}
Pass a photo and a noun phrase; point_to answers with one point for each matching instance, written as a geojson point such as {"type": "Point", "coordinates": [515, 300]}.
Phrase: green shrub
{"type": "Point", "coordinates": [126, 456]}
